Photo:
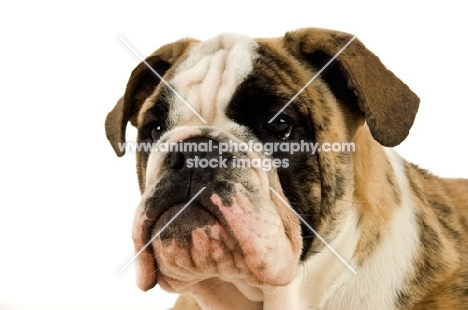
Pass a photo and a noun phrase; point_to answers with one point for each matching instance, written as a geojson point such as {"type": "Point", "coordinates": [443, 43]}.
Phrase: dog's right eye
{"type": "Point", "coordinates": [154, 131]}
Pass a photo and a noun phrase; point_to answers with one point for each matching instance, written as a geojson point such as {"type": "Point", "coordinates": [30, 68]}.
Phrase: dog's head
{"type": "Point", "coordinates": [218, 186]}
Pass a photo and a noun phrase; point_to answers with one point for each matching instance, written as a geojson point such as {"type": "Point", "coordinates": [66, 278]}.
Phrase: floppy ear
{"type": "Point", "coordinates": [140, 86]}
{"type": "Point", "coordinates": [359, 79]}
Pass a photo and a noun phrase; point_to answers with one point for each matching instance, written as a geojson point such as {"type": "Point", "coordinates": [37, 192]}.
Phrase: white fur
{"type": "Point", "coordinates": [209, 76]}
{"type": "Point", "coordinates": [382, 276]}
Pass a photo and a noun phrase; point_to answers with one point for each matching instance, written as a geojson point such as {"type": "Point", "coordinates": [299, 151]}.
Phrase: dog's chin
{"type": "Point", "coordinates": [207, 251]}
{"type": "Point", "coordinates": [228, 245]}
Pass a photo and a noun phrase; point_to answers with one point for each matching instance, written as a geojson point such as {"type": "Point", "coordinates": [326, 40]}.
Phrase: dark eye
{"type": "Point", "coordinates": [281, 126]}
{"type": "Point", "coordinates": [155, 130]}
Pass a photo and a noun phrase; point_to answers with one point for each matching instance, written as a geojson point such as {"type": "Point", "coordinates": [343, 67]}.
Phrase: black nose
{"type": "Point", "coordinates": [196, 153]}
{"type": "Point", "coordinates": [175, 160]}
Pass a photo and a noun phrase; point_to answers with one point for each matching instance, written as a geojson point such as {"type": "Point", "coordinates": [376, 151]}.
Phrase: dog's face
{"type": "Point", "coordinates": [219, 210]}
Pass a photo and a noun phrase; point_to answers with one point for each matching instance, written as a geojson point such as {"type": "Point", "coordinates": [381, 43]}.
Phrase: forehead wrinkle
{"type": "Point", "coordinates": [213, 70]}
{"type": "Point", "coordinates": [212, 84]}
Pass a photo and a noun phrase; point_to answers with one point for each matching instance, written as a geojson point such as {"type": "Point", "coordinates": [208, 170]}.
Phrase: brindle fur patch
{"type": "Point", "coordinates": [439, 280]}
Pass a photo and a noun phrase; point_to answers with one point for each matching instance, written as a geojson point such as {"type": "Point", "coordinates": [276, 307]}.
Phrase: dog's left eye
{"type": "Point", "coordinates": [281, 126]}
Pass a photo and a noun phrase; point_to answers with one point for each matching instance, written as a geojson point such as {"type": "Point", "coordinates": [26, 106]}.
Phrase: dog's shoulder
{"type": "Point", "coordinates": [443, 224]}
{"type": "Point", "coordinates": [458, 190]}
{"type": "Point", "coordinates": [448, 197]}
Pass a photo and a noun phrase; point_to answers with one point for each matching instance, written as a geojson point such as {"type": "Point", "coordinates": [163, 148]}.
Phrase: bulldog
{"type": "Point", "coordinates": [230, 223]}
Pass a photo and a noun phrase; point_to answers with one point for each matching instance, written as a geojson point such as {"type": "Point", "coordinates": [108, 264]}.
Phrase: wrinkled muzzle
{"type": "Point", "coordinates": [207, 213]}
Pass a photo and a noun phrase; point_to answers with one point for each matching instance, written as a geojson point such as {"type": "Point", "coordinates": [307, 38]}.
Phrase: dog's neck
{"type": "Point", "coordinates": [380, 236]}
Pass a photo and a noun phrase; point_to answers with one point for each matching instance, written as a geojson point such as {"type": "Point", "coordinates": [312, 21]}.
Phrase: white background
{"type": "Point", "coordinates": [66, 200]}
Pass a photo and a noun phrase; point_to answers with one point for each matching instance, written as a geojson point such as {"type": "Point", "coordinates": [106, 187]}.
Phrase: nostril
{"type": "Point", "coordinates": [175, 160]}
